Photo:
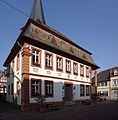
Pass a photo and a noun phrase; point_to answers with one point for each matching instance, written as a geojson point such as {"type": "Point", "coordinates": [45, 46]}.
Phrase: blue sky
{"type": "Point", "coordinates": [92, 24]}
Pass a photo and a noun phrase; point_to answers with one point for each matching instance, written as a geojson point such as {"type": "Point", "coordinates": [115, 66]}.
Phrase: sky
{"type": "Point", "coordinates": [92, 24]}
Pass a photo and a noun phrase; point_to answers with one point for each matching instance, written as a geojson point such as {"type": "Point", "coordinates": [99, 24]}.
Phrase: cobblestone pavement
{"type": "Point", "coordinates": [107, 110]}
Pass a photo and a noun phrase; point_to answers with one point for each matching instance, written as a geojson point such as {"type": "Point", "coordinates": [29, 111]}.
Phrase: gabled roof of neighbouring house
{"type": "Point", "coordinates": [107, 74]}
{"type": "Point", "coordinates": [51, 38]}
{"type": "Point", "coordinates": [1, 73]}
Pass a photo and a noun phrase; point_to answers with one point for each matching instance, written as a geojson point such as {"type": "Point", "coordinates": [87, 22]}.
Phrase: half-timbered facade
{"type": "Point", "coordinates": [45, 62]}
{"type": "Point", "coordinates": [107, 84]}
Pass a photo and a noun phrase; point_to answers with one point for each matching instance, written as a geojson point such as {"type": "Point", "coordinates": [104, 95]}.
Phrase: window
{"type": "Point", "coordinates": [98, 84]}
{"type": "Point", "coordinates": [87, 90]}
{"type": "Point", "coordinates": [36, 88]}
{"type": "Point", "coordinates": [18, 61]}
{"type": "Point", "coordinates": [98, 93]}
{"type": "Point", "coordinates": [102, 84]}
{"type": "Point", "coordinates": [48, 60]}
{"type": "Point", "coordinates": [12, 89]}
{"type": "Point", "coordinates": [68, 66]}
{"type": "Point", "coordinates": [115, 82]}
{"type": "Point", "coordinates": [59, 63]}
{"type": "Point", "coordinates": [87, 72]}
{"type": "Point", "coordinates": [115, 72]}
{"type": "Point", "coordinates": [75, 68]}
{"type": "Point", "coordinates": [8, 89]}
{"type": "Point", "coordinates": [48, 88]}
{"type": "Point", "coordinates": [105, 83]}
{"type": "Point", "coordinates": [81, 70]}
{"type": "Point", "coordinates": [13, 66]}
{"type": "Point", "coordinates": [36, 56]}
{"type": "Point", "coordinates": [17, 88]}
{"type": "Point", "coordinates": [82, 90]}
{"type": "Point", "coordinates": [8, 71]}
{"type": "Point", "coordinates": [106, 93]}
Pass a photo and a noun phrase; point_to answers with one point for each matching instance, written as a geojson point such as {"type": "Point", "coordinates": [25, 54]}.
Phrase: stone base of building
{"type": "Point", "coordinates": [38, 106]}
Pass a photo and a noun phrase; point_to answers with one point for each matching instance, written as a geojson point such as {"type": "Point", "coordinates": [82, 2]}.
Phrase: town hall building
{"type": "Point", "coordinates": [45, 62]}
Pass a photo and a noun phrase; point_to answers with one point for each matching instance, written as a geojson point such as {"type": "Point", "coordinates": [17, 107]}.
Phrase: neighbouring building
{"type": "Point", "coordinates": [2, 85]}
{"type": "Point", "coordinates": [107, 83]}
{"type": "Point", "coordinates": [45, 62]}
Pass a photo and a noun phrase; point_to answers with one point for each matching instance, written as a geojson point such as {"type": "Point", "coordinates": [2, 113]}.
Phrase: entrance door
{"type": "Point", "coordinates": [68, 92]}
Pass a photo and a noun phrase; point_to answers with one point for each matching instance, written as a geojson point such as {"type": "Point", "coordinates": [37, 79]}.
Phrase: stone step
{"type": "Point", "coordinates": [69, 103]}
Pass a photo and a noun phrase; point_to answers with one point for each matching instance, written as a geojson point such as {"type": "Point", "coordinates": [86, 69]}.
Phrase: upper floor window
{"type": "Point", "coordinates": [36, 88]}
{"type": "Point", "coordinates": [8, 71]}
{"type": "Point", "coordinates": [36, 57]}
{"type": "Point", "coordinates": [13, 66]}
{"type": "Point", "coordinates": [48, 88]}
{"type": "Point", "coordinates": [68, 66]}
{"type": "Point", "coordinates": [18, 61]}
{"type": "Point", "coordinates": [98, 84]}
{"type": "Point", "coordinates": [104, 84]}
{"type": "Point", "coordinates": [81, 70]}
{"type": "Point", "coordinates": [115, 72]}
{"type": "Point", "coordinates": [115, 82]}
{"type": "Point", "coordinates": [87, 72]}
{"type": "Point", "coordinates": [59, 63]}
{"type": "Point", "coordinates": [75, 68]}
{"type": "Point", "coordinates": [48, 60]}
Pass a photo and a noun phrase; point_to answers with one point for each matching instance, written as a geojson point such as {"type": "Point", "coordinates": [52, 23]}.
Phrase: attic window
{"type": "Point", "coordinates": [115, 72]}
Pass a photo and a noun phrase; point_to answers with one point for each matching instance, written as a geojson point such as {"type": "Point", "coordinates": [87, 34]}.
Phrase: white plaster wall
{"type": "Point", "coordinates": [58, 90]}
{"type": "Point", "coordinates": [54, 73]}
{"type": "Point", "coordinates": [104, 88]}
{"type": "Point", "coordinates": [114, 88]}
{"type": "Point", "coordinates": [58, 83]}
{"type": "Point", "coordinates": [13, 79]}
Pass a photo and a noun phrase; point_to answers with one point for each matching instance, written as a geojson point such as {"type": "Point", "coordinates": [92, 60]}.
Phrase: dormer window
{"type": "Point", "coordinates": [115, 72]}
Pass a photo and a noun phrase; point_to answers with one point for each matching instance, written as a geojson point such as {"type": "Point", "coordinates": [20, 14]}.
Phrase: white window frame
{"type": "Point", "coordinates": [36, 55]}
{"type": "Point", "coordinates": [48, 61]}
{"type": "Point", "coordinates": [68, 66]}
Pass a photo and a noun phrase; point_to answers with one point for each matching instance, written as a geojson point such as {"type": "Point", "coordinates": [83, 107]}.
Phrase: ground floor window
{"type": "Point", "coordinates": [36, 88]}
{"type": "Point", "coordinates": [12, 89]}
{"type": "Point", "coordinates": [82, 90]}
{"type": "Point", "coordinates": [102, 93]}
{"type": "Point", "coordinates": [87, 90]}
{"type": "Point", "coordinates": [8, 89]}
{"type": "Point", "coordinates": [48, 88]}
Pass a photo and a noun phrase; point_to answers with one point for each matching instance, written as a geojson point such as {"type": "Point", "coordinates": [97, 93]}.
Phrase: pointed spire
{"type": "Point", "coordinates": [37, 13]}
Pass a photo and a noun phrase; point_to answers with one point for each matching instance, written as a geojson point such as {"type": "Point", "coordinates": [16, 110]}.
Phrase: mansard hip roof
{"type": "Point", "coordinates": [84, 55]}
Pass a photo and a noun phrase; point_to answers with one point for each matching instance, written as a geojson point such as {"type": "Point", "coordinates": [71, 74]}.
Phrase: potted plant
{"type": "Point", "coordinates": [41, 99]}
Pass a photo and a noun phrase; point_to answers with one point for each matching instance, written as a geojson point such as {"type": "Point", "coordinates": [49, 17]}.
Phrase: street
{"type": "Point", "coordinates": [107, 110]}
